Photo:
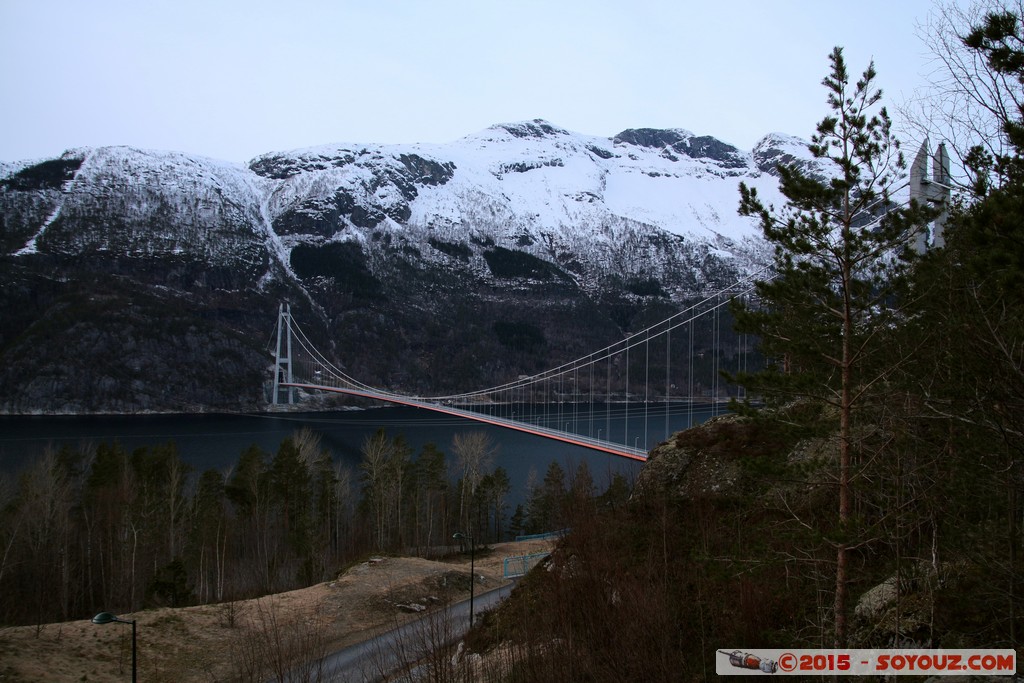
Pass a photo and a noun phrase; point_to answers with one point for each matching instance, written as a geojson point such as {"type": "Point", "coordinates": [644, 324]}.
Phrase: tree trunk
{"type": "Point", "coordinates": [845, 414]}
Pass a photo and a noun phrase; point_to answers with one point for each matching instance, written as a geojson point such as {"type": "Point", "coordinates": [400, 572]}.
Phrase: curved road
{"type": "Point", "coordinates": [405, 646]}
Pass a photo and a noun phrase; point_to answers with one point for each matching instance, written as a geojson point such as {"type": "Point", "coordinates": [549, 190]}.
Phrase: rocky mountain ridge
{"type": "Point", "coordinates": [141, 280]}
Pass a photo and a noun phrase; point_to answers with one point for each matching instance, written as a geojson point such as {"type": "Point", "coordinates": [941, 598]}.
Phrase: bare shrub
{"type": "Point", "coordinates": [270, 647]}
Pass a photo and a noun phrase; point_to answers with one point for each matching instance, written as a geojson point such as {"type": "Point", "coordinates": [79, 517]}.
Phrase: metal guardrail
{"type": "Point", "coordinates": [518, 566]}
{"type": "Point", "coordinates": [543, 537]}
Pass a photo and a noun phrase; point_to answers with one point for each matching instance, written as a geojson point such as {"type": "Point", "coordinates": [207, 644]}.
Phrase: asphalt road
{"type": "Point", "coordinates": [406, 646]}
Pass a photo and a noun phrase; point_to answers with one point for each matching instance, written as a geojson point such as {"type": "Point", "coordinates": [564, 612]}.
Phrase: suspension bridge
{"type": "Point", "coordinates": [622, 399]}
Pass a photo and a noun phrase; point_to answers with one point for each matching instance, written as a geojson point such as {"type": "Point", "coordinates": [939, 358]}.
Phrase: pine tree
{"type": "Point", "coordinates": [546, 504]}
{"type": "Point", "coordinates": [836, 274]}
{"type": "Point", "coordinates": [999, 40]}
{"type": "Point", "coordinates": [517, 523]}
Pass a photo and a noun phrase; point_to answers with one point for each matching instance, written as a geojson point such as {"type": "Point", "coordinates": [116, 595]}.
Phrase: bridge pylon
{"type": "Point", "coordinates": [935, 190]}
{"type": "Point", "coordinates": [283, 355]}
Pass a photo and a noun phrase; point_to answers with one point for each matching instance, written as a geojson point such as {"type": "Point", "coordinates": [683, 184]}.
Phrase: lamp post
{"type": "Point", "coordinates": [108, 618]}
{"type": "Point", "coordinates": [472, 570]}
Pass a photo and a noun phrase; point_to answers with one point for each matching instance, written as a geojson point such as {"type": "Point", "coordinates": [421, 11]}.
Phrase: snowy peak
{"type": "Point", "coordinates": [132, 202]}
{"type": "Point", "coordinates": [777, 149]}
{"type": "Point", "coordinates": [653, 137]}
{"type": "Point", "coordinates": [537, 128]}
{"type": "Point", "coordinates": [324, 191]}
{"type": "Point", "coordinates": [675, 141]}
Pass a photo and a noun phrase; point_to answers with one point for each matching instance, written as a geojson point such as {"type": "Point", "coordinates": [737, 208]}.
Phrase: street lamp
{"type": "Point", "coordinates": [472, 570]}
{"type": "Point", "coordinates": [108, 618]}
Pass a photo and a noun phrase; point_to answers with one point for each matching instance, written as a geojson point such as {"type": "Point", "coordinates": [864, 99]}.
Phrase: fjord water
{"type": "Point", "coordinates": [216, 441]}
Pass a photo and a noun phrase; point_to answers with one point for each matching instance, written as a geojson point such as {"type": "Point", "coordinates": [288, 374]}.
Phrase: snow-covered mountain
{"type": "Point", "coordinates": [399, 247]}
{"type": "Point", "coordinates": [530, 186]}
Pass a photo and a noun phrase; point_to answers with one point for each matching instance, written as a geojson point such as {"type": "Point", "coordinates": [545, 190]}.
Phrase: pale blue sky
{"type": "Point", "coordinates": [231, 79]}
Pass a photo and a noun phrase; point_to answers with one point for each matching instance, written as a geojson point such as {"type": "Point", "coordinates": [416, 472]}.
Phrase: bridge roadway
{"type": "Point", "coordinates": [566, 437]}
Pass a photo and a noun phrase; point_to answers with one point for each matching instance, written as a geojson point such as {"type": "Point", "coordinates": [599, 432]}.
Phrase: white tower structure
{"type": "Point", "coordinates": [934, 190]}
{"type": "Point", "coordinates": [283, 354]}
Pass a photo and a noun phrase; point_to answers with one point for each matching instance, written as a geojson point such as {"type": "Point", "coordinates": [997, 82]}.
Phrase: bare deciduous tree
{"type": "Point", "coordinates": [474, 453]}
{"type": "Point", "coordinates": [965, 101]}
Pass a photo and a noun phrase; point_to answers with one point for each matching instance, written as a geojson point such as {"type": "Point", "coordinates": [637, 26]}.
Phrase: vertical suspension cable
{"type": "Point", "coordinates": [668, 376]}
{"type": "Point", "coordinates": [714, 361]}
{"type": "Point", "coordinates": [647, 383]}
{"type": "Point", "coordinates": [590, 431]}
{"type": "Point", "coordinates": [608, 399]}
{"type": "Point", "coordinates": [546, 400]}
{"type": "Point", "coordinates": [626, 417]}
{"type": "Point", "coordinates": [743, 369]}
{"type": "Point", "coordinates": [575, 398]}
{"type": "Point", "coordinates": [560, 397]}
{"type": "Point", "coordinates": [689, 377]}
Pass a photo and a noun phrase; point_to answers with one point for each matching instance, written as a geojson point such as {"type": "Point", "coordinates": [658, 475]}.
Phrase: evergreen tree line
{"type": "Point", "coordinates": [103, 528]}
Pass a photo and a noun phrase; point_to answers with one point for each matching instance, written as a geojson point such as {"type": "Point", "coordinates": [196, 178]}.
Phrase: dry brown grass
{"type": "Point", "coordinates": [196, 643]}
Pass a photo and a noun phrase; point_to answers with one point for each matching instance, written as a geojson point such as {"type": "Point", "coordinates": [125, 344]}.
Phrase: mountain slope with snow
{"type": "Point", "coordinates": [403, 258]}
{"type": "Point", "coordinates": [536, 177]}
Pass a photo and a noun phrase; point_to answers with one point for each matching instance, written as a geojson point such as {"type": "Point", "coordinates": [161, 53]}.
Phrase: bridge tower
{"type": "Point", "coordinates": [935, 190]}
{"type": "Point", "coordinates": [283, 354]}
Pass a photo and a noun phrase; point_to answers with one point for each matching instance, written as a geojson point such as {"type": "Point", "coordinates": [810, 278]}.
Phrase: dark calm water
{"type": "Point", "coordinates": [215, 441]}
